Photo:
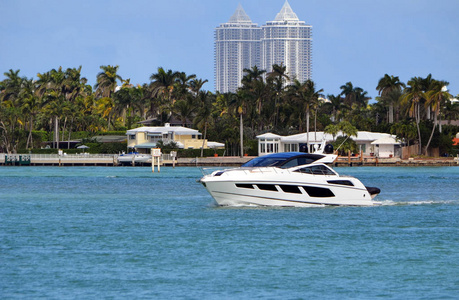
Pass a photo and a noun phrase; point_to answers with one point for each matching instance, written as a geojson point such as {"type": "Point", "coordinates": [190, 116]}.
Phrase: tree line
{"type": "Point", "coordinates": [62, 103]}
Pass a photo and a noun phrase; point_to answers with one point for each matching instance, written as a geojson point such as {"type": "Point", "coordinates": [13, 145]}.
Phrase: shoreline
{"type": "Point", "coordinates": [228, 161]}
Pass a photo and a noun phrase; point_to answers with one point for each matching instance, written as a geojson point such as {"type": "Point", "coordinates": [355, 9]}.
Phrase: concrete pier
{"type": "Point", "coordinates": [84, 159]}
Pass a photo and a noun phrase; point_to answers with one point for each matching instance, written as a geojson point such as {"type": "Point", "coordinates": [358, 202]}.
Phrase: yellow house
{"type": "Point", "coordinates": [144, 138]}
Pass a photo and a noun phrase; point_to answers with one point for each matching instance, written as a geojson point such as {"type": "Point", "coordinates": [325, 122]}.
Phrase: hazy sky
{"type": "Point", "coordinates": [355, 40]}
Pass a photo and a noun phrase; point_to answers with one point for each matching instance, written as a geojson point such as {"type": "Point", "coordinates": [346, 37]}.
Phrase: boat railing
{"type": "Point", "coordinates": [210, 170]}
{"type": "Point", "coordinates": [264, 170]}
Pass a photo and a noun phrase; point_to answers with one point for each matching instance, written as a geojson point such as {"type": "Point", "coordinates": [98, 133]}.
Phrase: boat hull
{"type": "Point", "coordinates": [137, 158]}
{"type": "Point", "coordinates": [296, 190]}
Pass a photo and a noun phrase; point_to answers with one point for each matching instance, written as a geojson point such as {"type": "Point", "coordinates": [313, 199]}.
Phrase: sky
{"type": "Point", "coordinates": [354, 40]}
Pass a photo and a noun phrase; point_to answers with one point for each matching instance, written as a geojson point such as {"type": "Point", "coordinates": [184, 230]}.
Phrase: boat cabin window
{"type": "Point", "coordinates": [283, 160]}
{"type": "Point", "coordinates": [298, 162]}
{"type": "Point", "coordinates": [341, 182]}
{"type": "Point", "coordinates": [316, 170]}
{"type": "Point", "coordinates": [263, 162]}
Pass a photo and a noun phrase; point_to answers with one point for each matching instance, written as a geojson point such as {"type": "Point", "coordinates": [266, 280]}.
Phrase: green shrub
{"type": "Point", "coordinates": [197, 152]}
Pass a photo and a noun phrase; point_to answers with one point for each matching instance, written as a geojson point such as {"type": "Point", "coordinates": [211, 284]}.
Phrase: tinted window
{"type": "Point", "coordinates": [316, 170]}
{"type": "Point", "coordinates": [278, 159]}
{"type": "Point", "coordinates": [318, 192]}
{"type": "Point", "coordinates": [290, 189]}
{"type": "Point", "coordinates": [267, 187]}
{"type": "Point", "coordinates": [341, 182]}
{"type": "Point", "coordinates": [298, 162]}
{"type": "Point", "coordinates": [244, 185]}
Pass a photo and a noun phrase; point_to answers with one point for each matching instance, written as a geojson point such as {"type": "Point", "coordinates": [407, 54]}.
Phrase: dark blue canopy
{"type": "Point", "coordinates": [283, 159]}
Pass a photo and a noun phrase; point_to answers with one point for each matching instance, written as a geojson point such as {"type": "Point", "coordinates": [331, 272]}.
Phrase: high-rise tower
{"type": "Point", "coordinates": [287, 40]}
{"type": "Point", "coordinates": [241, 44]}
{"type": "Point", "coordinates": [237, 47]}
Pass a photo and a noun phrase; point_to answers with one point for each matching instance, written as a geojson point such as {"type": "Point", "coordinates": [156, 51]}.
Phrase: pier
{"type": "Point", "coordinates": [350, 161]}
{"type": "Point", "coordinates": [86, 159]}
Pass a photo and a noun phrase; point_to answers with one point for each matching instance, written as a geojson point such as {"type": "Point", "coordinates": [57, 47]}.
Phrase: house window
{"type": "Point", "coordinates": [132, 137]}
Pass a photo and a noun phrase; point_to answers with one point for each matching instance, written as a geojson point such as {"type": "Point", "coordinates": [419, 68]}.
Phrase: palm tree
{"type": "Point", "coordinates": [254, 90]}
{"type": "Point", "coordinates": [30, 106]}
{"type": "Point", "coordinates": [354, 95]}
{"type": "Point", "coordinates": [348, 129]}
{"type": "Point", "coordinates": [435, 97]}
{"type": "Point", "coordinates": [183, 84]}
{"type": "Point", "coordinates": [278, 78]}
{"type": "Point", "coordinates": [427, 84]}
{"type": "Point", "coordinates": [386, 86]}
{"type": "Point", "coordinates": [332, 129]}
{"type": "Point", "coordinates": [349, 93]}
{"type": "Point", "coordinates": [336, 103]}
{"type": "Point", "coordinates": [184, 109]}
{"type": "Point", "coordinates": [51, 87]}
{"type": "Point", "coordinates": [361, 97]}
{"type": "Point", "coordinates": [11, 86]}
{"type": "Point", "coordinates": [105, 107]}
{"type": "Point", "coordinates": [204, 114]}
{"type": "Point", "coordinates": [161, 87]}
{"type": "Point", "coordinates": [413, 95]}
{"type": "Point", "coordinates": [107, 81]}
{"type": "Point", "coordinates": [10, 109]}
{"type": "Point", "coordinates": [306, 96]}
{"type": "Point", "coordinates": [128, 101]}
{"type": "Point", "coordinates": [196, 85]}
{"type": "Point", "coordinates": [251, 75]}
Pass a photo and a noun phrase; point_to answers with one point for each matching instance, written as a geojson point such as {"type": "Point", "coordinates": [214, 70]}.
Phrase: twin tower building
{"type": "Point", "coordinates": [241, 44]}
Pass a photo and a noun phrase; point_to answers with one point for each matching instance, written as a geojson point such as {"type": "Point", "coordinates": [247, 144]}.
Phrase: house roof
{"type": "Point", "coordinates": [385, 141]}
{"type": "Point", "coordinates": [268, 135]}
{"type": "Point", "coordinates": [179, 130]}
{"type": "Point", "coordinates": [153, 145]}
{"type": "Point", "coordinates": [319, 136]}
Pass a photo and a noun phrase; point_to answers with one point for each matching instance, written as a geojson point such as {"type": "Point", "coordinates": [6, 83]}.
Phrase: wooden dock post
{"type": "Point", "coordinates": [173, 155]}
{"type": "Point", "coordinates": [60, 152]}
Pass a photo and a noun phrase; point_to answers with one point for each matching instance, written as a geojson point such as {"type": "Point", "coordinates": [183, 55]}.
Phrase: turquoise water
{"type": "Point", "coordinates": [128, 233]}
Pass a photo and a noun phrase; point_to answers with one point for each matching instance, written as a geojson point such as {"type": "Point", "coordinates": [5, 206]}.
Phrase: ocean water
{"type": "Point", "coordinates": [128, 233]}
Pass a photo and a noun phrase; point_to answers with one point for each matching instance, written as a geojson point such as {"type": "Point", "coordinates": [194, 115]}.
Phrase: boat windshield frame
{"type": "Point", "coordinates": [283, 160]}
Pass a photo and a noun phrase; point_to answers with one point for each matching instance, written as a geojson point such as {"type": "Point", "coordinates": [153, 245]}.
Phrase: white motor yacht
{"type": "Point", "coordinates": [287, 179]}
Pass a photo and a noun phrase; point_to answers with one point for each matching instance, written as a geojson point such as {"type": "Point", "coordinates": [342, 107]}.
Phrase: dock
{"type": "Point", "coordinates": [350, 161]}
{"type": "Point", "coordinates": [86, 159]}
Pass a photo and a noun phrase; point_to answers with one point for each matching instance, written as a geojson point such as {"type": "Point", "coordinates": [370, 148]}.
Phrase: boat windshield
{"type": "Point", "coordinates": [283, 160]}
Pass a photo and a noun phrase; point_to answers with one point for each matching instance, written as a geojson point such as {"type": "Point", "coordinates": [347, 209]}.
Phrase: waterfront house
{"type": "Point", "coordinates": [142, 139]}
{"type": "Point", "coordinates": [273, 143]}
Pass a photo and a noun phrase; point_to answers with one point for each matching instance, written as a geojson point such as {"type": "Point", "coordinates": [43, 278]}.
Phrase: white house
{"type": "Point", "coordinates": [273, 143]}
